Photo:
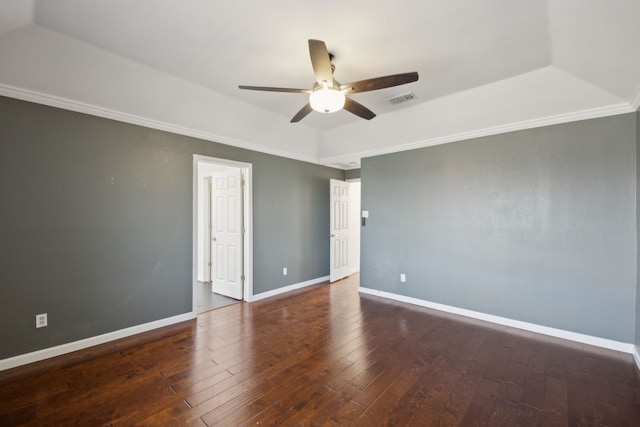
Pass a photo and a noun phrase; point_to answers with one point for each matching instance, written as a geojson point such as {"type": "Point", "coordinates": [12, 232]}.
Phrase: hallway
{"type": "Point", "coordinates": [208, 300]}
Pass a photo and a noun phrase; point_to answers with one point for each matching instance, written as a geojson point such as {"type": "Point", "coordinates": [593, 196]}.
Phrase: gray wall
{"type": "Point", "coordinates": [537, 225]}
{"type": "Point", "coordinates": [352, 174]}
{"type": "Point", "coordinates": [96, 223]}
{"type": "Point", "coordinates": [637, 335]}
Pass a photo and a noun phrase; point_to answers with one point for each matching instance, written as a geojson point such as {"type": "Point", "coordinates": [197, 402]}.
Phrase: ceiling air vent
{"type": "Point", "coordinates": [405, 97]}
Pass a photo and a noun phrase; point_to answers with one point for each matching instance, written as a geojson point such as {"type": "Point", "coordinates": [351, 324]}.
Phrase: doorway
{"type": "Point", "coordinates": [344, 246]}
{"type": "Point", "coordinates": [211, 250]}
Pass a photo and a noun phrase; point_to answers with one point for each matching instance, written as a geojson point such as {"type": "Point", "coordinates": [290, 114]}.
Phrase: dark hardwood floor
{"type": "Point", "coordinates": [327, 356]}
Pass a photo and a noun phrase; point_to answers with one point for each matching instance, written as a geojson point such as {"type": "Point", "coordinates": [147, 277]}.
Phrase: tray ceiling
{"type": "Point", "coordinates": [484, 66]}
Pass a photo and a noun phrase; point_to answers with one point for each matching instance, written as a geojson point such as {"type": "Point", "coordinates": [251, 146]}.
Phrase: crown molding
{"type": "Point", "coordinates": [593, 113]}
{"type": "Point", "coordinates": [81, 107]}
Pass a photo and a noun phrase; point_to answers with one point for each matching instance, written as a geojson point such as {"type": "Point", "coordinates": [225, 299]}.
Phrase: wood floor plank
{"type": "Point", "coordinates": [497, 366]}
{"type": "Point", "coordinates": [361, 381]}
{"type": "Point", "coordinates": [327, 355]}
{"type": "Point", "coordinates": [605, 414]}
{"type": "Point", "coordinates": [533, 393]}
{"type": "Point", "coordinates": [476, 415]}
{"type": "Point", "coordinates": [486, 393]}
{"type": "Point", "coordinates": [555, 402]}
{"type": "Point", "coordinates": [367, 396]}
{"type": "Point", "coordinates": [258, 406]}
{"type": "Point", "coordinates": [251, 391]}
{"type": "Point", "coordinates": [528, 416]}
{"type": "Point", "coordinates": [377, 413]}
{"type": "Point", "coordinates": [580, 403]}
{"type": "Point", "coordinates": [462, 394]}
{"type": "Point", "coordinates": [504, 413]}
{"type": "Point", "coordinates": [628, 411]}
{"type": "Point", "coordinates": [268, 417]}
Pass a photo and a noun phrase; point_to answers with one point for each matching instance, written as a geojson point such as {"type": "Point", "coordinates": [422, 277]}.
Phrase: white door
{"type": "Point", "coordinates": [339, 225]}
{"type": "Point", "coordinates": [226, 236]}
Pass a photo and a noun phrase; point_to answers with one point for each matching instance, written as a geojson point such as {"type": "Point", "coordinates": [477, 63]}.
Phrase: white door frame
{"type": "Point", "coordinates": [247, 220]}
{"type": "Point", "coordinates": [207, 217]}
{"type": "Point", "coordinates": [355, 221]}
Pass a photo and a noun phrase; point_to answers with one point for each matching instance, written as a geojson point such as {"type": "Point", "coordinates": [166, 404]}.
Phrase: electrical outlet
{"type": "Point", "coordinates": [284, 271]}
{"type": "Point", "coordinates": [41, 320]}
{"type": "Point", "coordinates": [403, 277]}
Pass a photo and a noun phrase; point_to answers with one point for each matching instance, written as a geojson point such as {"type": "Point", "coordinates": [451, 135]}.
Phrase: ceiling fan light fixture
{"type": "Point", "coordinates": [326, 100]}
{"type": "Point", "coordinates": [327, 95]}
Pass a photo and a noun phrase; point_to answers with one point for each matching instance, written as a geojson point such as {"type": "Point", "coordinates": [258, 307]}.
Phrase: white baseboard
{"type": "Point", "coordinates": [560, 333]}
{"type": "Point", "coordinates": [36, 356]}
{"type": "Point", "coordinates": [289, 288]}
{"type": "Point", "coordinates": [46, 353]}
{"type": "Point", "coordinates": [636, 355]}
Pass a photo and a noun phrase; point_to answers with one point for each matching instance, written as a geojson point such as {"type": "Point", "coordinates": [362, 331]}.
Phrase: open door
{"type": "Point", "coordinates": [226, 236]}
{"type": "Point", "coordinates": [339, 227]}
{"type": "Point", "coordinates": [208, 276]}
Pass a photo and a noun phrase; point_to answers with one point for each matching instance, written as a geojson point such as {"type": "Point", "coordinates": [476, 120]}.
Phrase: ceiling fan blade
{"type": "Point", "coordinates": [321, 62]}
{"type": "Point", "coordinates": [302, 113]}
{"type": "Point", "coordinates": [275, 89]}
{"type": "Point", "coordinates": [358, 109]}
{"type": "Point", "coordinates": [380, 82]}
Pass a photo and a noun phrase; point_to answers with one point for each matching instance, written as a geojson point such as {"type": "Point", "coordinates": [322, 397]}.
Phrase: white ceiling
{"type": "Point", "coordinates": [485, 67]}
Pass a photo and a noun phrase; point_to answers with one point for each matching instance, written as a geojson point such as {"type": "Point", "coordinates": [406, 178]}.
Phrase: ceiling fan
{"type": "Point", "coordinates": [327, 95]}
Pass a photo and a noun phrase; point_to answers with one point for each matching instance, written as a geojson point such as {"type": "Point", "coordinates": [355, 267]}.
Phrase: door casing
{"type": "Point", "coordinates": [247, 196]}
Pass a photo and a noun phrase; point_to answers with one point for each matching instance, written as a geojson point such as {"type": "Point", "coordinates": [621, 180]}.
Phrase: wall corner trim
{"type": "Point", "coordinates": [635, 101]}
{"type": "Point", "coordinates": [59, 350]}
{"type": "Point", "coordinates": [289, 288]}
{"type": "Point", "coordinates": [636, 355]}
{"type": "Point", "coordinates": [532, 327]}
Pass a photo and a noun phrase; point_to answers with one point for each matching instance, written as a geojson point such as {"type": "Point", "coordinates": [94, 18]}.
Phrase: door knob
{"type": "Point", "coordinates": [333, 235]}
